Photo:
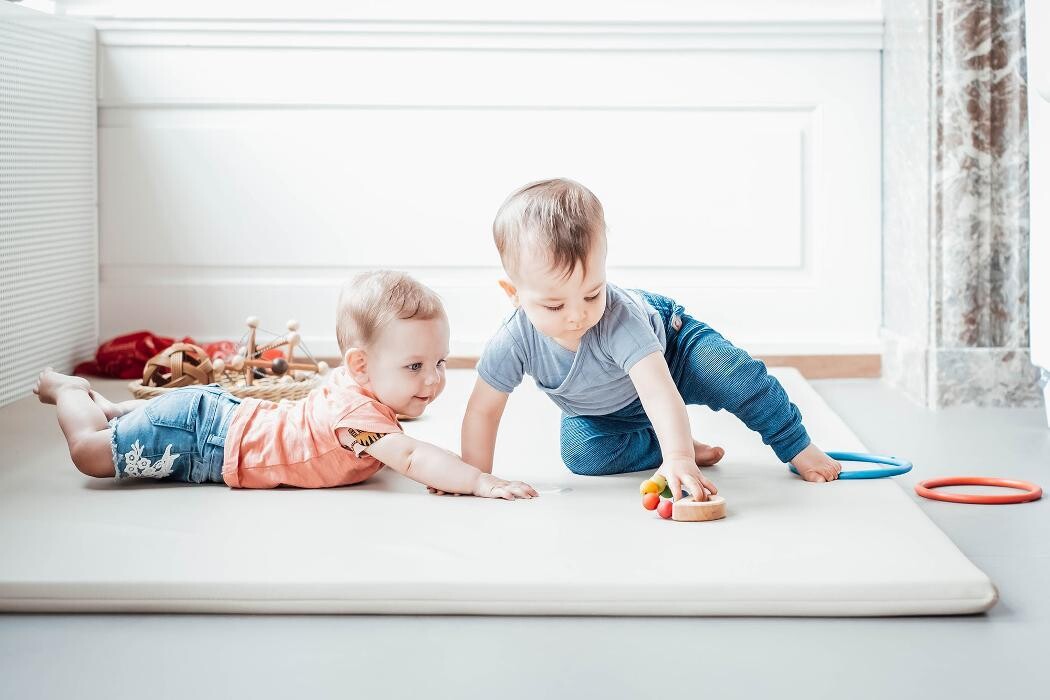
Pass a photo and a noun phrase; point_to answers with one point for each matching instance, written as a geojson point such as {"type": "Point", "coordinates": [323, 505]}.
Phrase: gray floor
{"type": "Point", "coordinates": [999, 654]}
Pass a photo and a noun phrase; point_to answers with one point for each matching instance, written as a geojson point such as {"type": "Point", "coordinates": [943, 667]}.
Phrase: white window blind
{"type": "Point", "coordinates": [48, 217]}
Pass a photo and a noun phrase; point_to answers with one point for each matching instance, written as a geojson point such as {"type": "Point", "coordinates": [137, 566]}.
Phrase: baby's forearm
{"type": "Point", "coordinates": [664, 406]}
{"type": "Point", "coordinates": [671, 424]}
{"type": "Point", "coordinates": [478, 439]}
{"type": "Point", "coordinates": [443, 470]}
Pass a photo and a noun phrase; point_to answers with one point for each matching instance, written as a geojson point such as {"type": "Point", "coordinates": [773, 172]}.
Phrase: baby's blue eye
{"type": "Point", "coordinates": [415, 366]}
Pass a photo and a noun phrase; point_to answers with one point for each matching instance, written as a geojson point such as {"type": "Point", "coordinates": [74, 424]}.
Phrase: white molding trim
{"type": "Point", "coordinates": [122, 113]}
{"type": "Point", "coordinates": [276, 33]}
{"type": "Point", "coordinates": [459, 276]}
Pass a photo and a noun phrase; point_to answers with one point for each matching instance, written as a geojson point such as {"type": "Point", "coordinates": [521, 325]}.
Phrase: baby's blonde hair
{"type": "Point", "coordinates": [560, 217]}
{"type": "Point", "coordinates": [371, 300]}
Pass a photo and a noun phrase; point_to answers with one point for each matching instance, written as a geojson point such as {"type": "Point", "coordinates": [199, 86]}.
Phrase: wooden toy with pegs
{"type": "Point", "coordinates": [249, 358]}
{"type": "Point", "coordinates": [682, 510]}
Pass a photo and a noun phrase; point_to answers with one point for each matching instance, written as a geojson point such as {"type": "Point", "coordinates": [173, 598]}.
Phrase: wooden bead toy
{"type": "Point", "coordinates": [250, 359]}
{"type": "Point", "coordinates": [685, 509]}
{"type": "Point", "coordinates": [688, 510]}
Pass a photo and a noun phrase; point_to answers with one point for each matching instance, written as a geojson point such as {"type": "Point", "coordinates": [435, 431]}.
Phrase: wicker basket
{"type": "Point", "coordinates": [268, 388]}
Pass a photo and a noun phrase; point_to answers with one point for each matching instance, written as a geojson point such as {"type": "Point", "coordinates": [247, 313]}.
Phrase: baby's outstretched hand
{"type": "Point", "coordinates": [488, 486]}
{"type": "Point", "coordinates": [683, 473]}
{"type": "Point", "coordinates": [813, 465]}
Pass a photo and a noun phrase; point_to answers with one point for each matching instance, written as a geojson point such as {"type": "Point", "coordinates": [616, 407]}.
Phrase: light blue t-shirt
{"type": "Point", "coordinates": [592, 381]}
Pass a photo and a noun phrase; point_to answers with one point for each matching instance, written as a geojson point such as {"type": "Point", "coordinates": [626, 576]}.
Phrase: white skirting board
{"type": "Point", "coordinates": [856, 548]}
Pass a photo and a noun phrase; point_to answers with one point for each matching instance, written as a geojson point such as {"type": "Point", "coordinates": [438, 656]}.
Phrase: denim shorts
{"type": "Point", "coordinates": [178, 436]}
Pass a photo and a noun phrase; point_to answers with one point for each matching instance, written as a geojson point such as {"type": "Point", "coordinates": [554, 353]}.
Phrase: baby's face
{"type": "Point", "coordinates": [562, 308]}
{"type": "Point", "coordinates": [406, 364]}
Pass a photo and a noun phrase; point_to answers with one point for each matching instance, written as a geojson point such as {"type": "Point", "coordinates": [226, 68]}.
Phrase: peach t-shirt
{"type": "Point", "coordinates": [294, 443]}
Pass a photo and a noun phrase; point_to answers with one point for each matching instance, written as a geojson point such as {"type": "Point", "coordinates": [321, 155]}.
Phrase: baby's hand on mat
{"type": "Point", "coordinates": [813, 465]}
{"type": "Point", "coordinates": [683, 473]}
{"type": "Point", "coordinates": [488, 486]}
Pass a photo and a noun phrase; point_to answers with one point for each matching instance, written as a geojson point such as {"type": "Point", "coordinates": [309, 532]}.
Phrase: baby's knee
{"type": "Point", "coordinates": [588, 459]}
{"type": "Point", "coordinates": [612, 454]}
{"type": "Point", "coordinates": [92, 457]}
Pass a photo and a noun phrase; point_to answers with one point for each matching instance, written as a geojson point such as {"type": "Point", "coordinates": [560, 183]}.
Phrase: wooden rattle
{"type": "Point", "coordinates": [682, 510]}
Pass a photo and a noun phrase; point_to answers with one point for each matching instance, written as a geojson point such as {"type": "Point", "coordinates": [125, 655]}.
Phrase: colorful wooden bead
{"type": "Point", "coordinates": [665, 509]}
{"type": "Point", "coordinates": [650, 487]}
{"type": "Point", "coordinates": [650, 501]}
{"type": "Point", "coordinates": [280, 366]}
{"type": "Point", "coordinates": [660, 480]}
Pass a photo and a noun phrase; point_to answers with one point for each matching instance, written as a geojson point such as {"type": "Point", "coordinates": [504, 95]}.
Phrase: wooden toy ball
{"type": "Point", "coordinates": [279, 366]}
{"type": "Point", "coordinates": [322, 367]}
{"type": "Point", "coordinates": [181, 364]}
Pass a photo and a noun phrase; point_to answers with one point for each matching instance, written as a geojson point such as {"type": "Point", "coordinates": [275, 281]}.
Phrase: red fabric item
{"type": "Point", "coordinates": [125, 356]}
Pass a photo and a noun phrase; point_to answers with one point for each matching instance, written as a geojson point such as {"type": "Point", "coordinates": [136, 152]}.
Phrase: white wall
{"type": "Point", "coordinates": [247, 166]}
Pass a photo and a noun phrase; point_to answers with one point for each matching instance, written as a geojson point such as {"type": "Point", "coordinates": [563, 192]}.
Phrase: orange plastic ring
{"type": "Point", "coordinates": [1032, 492]}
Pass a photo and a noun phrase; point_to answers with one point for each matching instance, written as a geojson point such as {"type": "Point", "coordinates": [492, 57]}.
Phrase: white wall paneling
{"type": "Point", "coordinates": [248, 166]}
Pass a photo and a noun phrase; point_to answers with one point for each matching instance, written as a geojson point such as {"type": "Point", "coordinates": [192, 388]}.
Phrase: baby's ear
{"type": "Point", "coordinates": [356, 362]}
{"type": "Point", "coordinates": [510, 290]}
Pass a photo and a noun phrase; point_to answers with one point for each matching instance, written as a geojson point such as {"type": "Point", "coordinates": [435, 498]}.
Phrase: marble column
{"type": "Point", "coordinates": [955, 203]}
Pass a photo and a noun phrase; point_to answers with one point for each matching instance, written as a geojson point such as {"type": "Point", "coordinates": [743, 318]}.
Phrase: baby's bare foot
{"type": "Point", "coordinates": [50, 383]}
{"type": "Point", "coordinates": [707, 455]}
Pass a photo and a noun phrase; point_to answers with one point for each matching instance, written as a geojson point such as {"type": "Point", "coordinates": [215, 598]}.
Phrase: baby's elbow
{"type": "Point", "coordinates": [399, 459]}
{"type": "Point", "coordinates": [414, 462]}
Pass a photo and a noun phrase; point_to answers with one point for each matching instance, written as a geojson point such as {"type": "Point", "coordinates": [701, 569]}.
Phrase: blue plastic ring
{"type": "Point", "coordinates": [895, 465]}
